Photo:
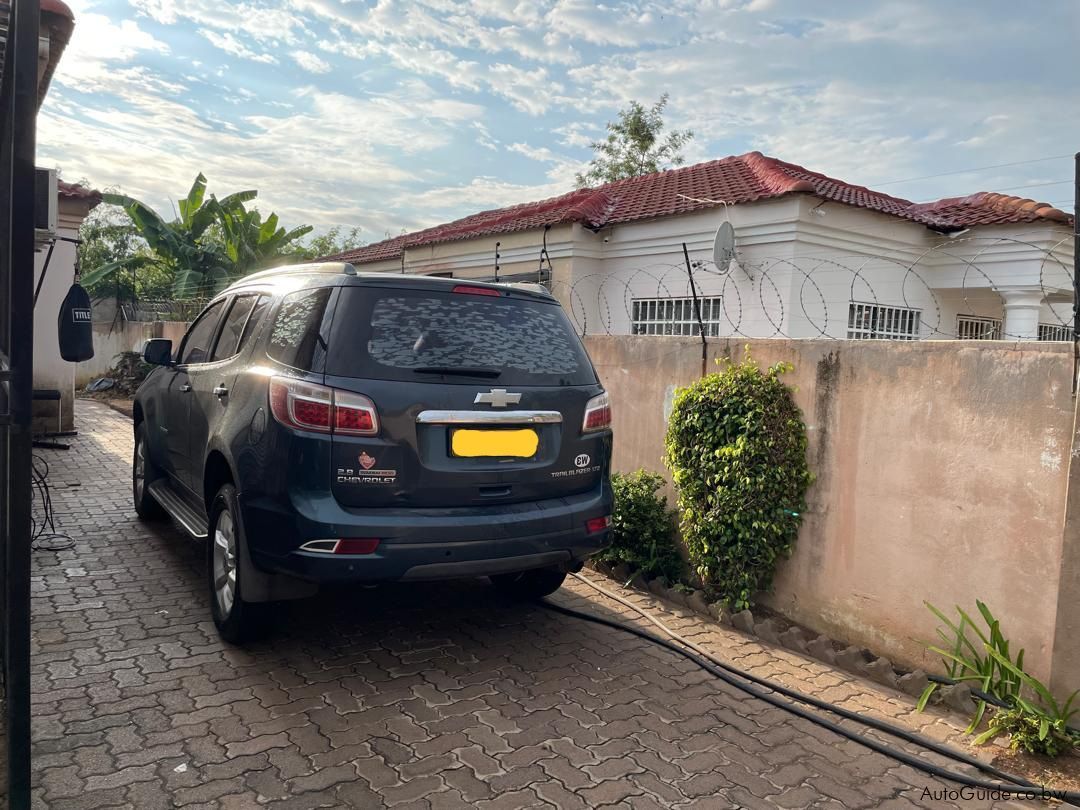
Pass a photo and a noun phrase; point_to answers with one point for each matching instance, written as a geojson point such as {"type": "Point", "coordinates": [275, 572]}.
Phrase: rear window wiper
{"type": "Point", "coordinates": [461, 371]}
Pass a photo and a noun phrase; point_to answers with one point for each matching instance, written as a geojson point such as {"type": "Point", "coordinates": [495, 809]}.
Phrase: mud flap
{"type": "Point", "coordinates": [259, 586]}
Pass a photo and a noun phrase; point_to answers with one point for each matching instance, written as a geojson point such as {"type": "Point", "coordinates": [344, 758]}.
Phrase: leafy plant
{"type": "Point", "coordinates": [208, 246]}
{"type": "Point", "coordinates": [1040, 727]}
{"type": "Point", "coordinates": [1028, 732]}
{"type": "Point", "coordinates": [107, 236]}
{"type": "Point", "coordinates": [634, 146]}
{"type": "Point", "coordinates": [736, 447]}
{"type": "Point", "coordinates": [1034, 719]}
{"type": "Point", "coordinates": [642, 526]}
{"type": "Point", "coordinates": [980, 665]}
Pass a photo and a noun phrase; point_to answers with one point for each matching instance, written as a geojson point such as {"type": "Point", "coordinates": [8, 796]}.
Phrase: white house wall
{"type": "Point", "coordinates": [799, 264]}
{"type": "Point", "coordinates": [644, 260]}
{"type": "Point", "coordinates": [51, 372]}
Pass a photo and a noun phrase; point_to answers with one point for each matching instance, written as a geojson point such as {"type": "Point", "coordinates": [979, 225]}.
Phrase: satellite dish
{"type": "Point", "coordinates": [723, 249]}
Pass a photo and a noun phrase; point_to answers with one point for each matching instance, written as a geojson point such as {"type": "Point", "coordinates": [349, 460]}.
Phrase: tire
{"type": "Point", "coordinates": [237, 621]}
{"type": "Point", "coordinates": [143, 473]}
{"type": "Point", "coordinates": [530, 584]}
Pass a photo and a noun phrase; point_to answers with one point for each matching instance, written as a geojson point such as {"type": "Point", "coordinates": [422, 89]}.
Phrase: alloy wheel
{"type": "Point", "coordinates": [224, 563]}
{"type": "Point", "coordinates": [140, 470]}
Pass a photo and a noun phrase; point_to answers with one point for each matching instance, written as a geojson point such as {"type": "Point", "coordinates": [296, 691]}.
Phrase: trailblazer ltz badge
{"type": "Point", "coordinates": [364, 474]}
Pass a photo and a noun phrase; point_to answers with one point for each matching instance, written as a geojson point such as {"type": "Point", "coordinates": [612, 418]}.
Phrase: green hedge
{"type": "Point", "coordinates": [736, 447]}
{"type": "Point", "coordinates": [642, 527]}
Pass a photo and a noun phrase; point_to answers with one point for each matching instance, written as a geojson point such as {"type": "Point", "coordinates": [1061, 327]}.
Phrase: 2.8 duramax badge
{"type": "Point", "coordinates": [364, 474]}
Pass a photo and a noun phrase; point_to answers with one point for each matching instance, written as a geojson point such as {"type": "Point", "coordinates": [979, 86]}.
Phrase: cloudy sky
{"type": "Point", "coordinates": [395, 115]}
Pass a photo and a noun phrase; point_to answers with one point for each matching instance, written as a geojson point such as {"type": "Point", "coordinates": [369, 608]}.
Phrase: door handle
{"type": "Point", "coordinates": [185, 388]}
{"type": "Point", "coordinates": [220, 391]}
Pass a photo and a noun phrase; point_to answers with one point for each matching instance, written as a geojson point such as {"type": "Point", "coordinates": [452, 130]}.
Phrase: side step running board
{"type": "Point", "coordinates": [191, 520]}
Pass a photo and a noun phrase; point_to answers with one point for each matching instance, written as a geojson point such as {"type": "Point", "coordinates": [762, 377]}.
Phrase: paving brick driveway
{"type": "Point", "coordinates": [424, 696]}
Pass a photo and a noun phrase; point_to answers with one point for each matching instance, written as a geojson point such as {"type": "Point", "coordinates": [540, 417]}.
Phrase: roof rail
{"type": "Point", "coordinates": [319, 267]}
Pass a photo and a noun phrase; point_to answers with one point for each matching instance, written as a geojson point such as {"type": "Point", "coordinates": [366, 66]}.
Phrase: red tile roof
{"type": "Point", "coordinates": [73, 191]}
{"type": "Point", "coordinates": [984, 208]}
{"type": "Point", "coordinates": [57, 17]}
{"type": "Point", "coordinates": [732, 180]}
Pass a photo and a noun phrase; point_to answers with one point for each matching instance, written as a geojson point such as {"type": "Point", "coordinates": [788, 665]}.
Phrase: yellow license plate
{"type": "Point", "coordinates": [494, 443]}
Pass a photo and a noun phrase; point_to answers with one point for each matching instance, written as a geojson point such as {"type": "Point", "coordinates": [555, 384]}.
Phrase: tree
{"type": "Point", "coordinates": [107, 236]}
{"type": "Point", "coordinates": [211, 244]}
{"type": "Point", "coordinates": [331, 243]}
{"type": "Point", "coordinates": [635, 145]}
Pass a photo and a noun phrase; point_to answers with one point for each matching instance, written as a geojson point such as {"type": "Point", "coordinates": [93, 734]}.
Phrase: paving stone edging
{"type": "Point", "coordinates": [856, 660]}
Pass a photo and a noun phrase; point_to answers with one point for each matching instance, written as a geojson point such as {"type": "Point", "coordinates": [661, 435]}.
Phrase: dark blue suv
{"type": "Point", "coordinates": [322, 425]}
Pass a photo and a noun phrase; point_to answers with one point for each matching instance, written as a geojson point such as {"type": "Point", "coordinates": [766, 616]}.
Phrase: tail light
{"type": "Point", "coordinates": [354, 414]}
{"type": "Point", "coordinates": [308, 406]}
{"type": "Point", "coordinates": [594, 525]}
{"type": "Point", "coordinates": [597, 414]}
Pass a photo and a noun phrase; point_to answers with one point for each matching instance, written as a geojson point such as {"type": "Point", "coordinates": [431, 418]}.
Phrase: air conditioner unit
{"type": "Point", "coordinates": [45, 202]}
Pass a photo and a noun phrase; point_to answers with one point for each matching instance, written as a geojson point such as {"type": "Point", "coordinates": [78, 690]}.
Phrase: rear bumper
{"type": "Point", "coordinates": [426, 544]}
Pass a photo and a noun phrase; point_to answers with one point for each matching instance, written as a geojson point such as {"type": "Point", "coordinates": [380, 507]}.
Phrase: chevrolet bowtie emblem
{"type": "Point", "coordinates": [497, 398]}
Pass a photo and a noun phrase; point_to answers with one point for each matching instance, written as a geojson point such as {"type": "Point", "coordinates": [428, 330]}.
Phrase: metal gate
{"type": "Point", "coordinates": [18, 109]}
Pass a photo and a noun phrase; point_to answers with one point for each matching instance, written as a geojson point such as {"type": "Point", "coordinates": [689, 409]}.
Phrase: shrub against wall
{"type": "Point", "coordinates": [736, 447]}
{"type": "Point", "coordinates": [642, 527]}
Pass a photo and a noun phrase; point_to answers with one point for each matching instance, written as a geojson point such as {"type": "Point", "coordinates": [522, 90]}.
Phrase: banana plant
{"type": "Point", "coordinates": [208, 246]}
{"type": "Point", "coordinates": [251, 243]}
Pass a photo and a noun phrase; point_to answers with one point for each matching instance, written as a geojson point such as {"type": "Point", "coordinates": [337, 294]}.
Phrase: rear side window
{"type": "Point", "coordinates": [390, 334]}
{"type": "Point", "coordinates": [255, 321]}
{"type": "Point", "coordinates": [228, 342]}
{"type": "Point", "coordinates": [295, 338]}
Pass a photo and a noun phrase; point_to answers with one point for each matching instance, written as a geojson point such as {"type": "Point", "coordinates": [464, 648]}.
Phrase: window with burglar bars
{"type": "Point", "coordinates": [1055, 331]}
{"type": "Point", "coordinates": [973, 327]}
{"type": "Point", "coordinates": [876, 322]}
{"type": "Point", "coordinates": [675, 316]}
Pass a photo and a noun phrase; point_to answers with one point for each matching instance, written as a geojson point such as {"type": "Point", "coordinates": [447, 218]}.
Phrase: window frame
{"type": "Point", "coordinates": [970, 322]}
{"type": "Point", "coordinates": [243, 330]}
{"type": "Point", "coordinates": [324, 324]}
{"type": "Point", "coordinates": [648, 316]}
{"type": "Point", "coordinates": [213, 335]}
{"type": "Point", "coordinates": [874, 331]}
{"type": "Point", "coordinates": [1048, 332]}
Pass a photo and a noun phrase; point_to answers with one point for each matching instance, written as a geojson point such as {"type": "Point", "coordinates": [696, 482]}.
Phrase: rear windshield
{"type": "Point", "coordinates": [391, 334]}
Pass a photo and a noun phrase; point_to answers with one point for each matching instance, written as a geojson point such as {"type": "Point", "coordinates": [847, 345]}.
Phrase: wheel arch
{"type": "Point", "coordinates": [216, 473]}
{"type": "Point", "coordinates": [259, 586]}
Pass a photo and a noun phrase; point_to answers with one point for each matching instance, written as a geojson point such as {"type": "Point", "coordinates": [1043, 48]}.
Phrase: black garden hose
{"type": "Point", "coordinates": [748, 683]}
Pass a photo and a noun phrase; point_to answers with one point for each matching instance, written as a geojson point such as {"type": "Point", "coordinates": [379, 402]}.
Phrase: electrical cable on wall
{"type": "Point", "coordinates": [544, 255]}
{"type": "Point", "coordinates": [43, 533]}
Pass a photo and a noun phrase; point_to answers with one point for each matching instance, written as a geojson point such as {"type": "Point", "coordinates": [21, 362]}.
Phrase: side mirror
{"type": "Point", "coordinates": [158, 352]}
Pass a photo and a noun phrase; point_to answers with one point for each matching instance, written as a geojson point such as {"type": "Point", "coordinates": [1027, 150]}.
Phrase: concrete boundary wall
{"type": "Point", "coordinates": [942, 475]}
{"type": "Point", "coordinates": [125, 336]}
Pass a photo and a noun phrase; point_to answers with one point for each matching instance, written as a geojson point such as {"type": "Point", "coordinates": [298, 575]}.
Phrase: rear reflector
{"type": "Point", "coordinates": [366, 545]}
{"type": "Point", "coordinates": [597, 524]}
{"type": "Point", "coordinates": [467, 290]}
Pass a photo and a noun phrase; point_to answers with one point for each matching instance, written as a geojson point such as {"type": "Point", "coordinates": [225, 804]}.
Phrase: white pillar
{"type": "Point", "coordinates": [1022, 308]}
